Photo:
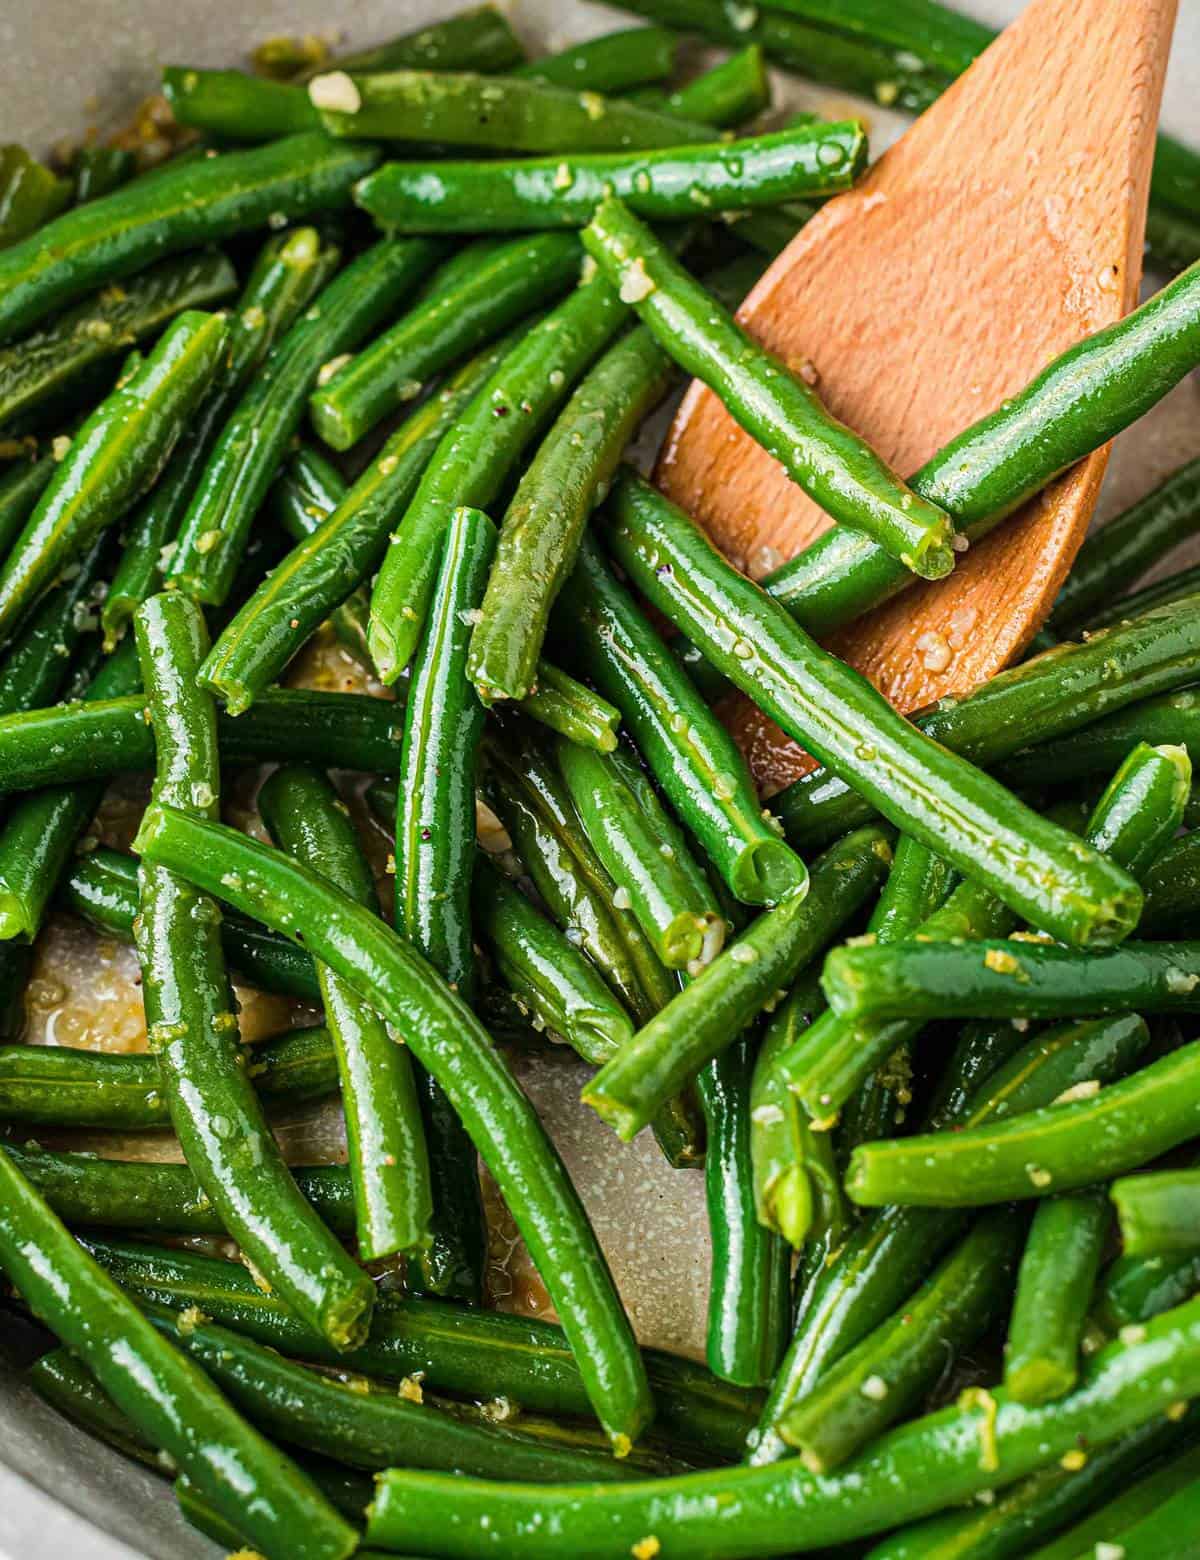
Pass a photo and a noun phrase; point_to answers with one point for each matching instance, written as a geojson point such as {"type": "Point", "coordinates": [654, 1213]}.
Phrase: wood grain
{"type": "Point", "coordinates": [1004, 226]}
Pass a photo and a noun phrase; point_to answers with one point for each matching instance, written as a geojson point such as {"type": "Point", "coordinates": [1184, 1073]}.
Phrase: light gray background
{"type": "Point", "coordinates": [57, 56]}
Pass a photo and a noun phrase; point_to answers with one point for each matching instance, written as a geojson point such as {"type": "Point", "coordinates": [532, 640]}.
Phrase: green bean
{"type": "Point", "coordinates": [1141, 809]}
{"type": "Point", "coordinates": [388, 1164]}
{"type": "Point", "coordinates": [982, 1049]}
{"type": "Point", "coordinates": [729, 94]}
{"type": "Point", "coordinates": [614, 62]}
{"type": "Point", "coordinates": [1157, 1213]}
{"type": "Point", "coordinates": [561, 704]}
{"type": "Point", "coordinates": [1171, 719]}
{"type": "Point", "coordinates": [1054, 1291]}
{"type": "Point", "coordinates": [518, 114]}
{"type": "Point", "coordinates": [1166, 1532]}
{"type": "Point", "coordinates": [34, 671]}
{"type": "Point", "coordinates": [1173, 889]}
{"type": "Point", "coordinates": [20, 488]}
{"type": "Point", "coordinates": [1052, 695]}
{"type": "Point", "coordinates": [236, 107]}
{"type": "Point", "coordinates": [99, 170]}
{"type": "Point", "coordinates": [289, 269]}
{"type": "Point", "coordinates": [189, 1010]}
{"type": "Point", "coordinates": [30, 195]}
{"type": "Point", "coordinates": [544, 523]}
{"type": "Point", "coordinates": [881, 1378]}
{"type": "Point", "coordinates": [1139, 602]}
{"type": "Point", "coordinates": [447, 1040]}
{"type": "Point", "coordinates": [551, 192]}
{"type": "Point", "coordinates": [820, 454]}
{"type": "Point", "coordinates": [475, 456]}
{"type": "Point", "coordinates": [55, 362]}
{"type": "Point", "coordinates": [252, 443]}
{"type": "Point", "coordinates": [1034, 866]}
{"type": "Point", "coordinates": [451, 1348]}
{"type": "Point", "coordinates": [372, 1428]}
{"type": "Point", "coordinates": [750, 1286]}
{"type": "Point", "coordinates": [504, 284]}
{"type": "Point", "coordinates": [479, 38]}
{"type": "Point", "coordinates": [179, 208]}
{"type": "Point", "coordinates": [87, 741]}
{"type": "Point", "coordinates": [114, 455]}
{"type": "Point", "coordinates": [1114, 557]}
{"type": "Point", "coordinates": [1133, 1289]}
{"type": "Point", "coordinates": [944, 1458]}
{"type": "Point", "coordinates": [166, 1397]}
{"type": "Point", "coordinates": [66, 1385]}
{"type": "Point", "coordinates": [59, 1086]}
{"type": "Point", "coordinates": [327, 567]}
{"type": "Point", "coordinates": [728, 993]}
{"type": "Point", "coordinates": [102, 888]}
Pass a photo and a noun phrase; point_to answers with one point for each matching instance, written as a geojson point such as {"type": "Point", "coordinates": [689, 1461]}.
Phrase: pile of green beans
{"type": "Point", "coordinates": [320, 537]}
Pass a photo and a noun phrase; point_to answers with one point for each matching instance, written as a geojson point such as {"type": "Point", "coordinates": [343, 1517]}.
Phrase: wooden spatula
{"type": "Point", "coordinates": [1005, 225]}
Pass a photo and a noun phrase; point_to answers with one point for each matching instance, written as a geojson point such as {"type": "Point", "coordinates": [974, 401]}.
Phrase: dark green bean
{"type": "Point", "coordinates": [550, 192]}
{"type": "Point", "coordinates": [202, 201]}
{"type": "Point", "coordinates": [729, 94]}
{"type": "Point", "coordinates": [1033, 865]}
{"type": "Point", "coordinates": [99, 170]}
{"type": "Point", "coordinates": [20, 488]}
{"type": "Point", "coordinates": [1133, 1289]}
{"type": "Point", "coordinates": [1172, 719]}
{"type": "Point", "coordinates": [479, 38]}
{"type": "Point", "coordinates": [388, 1163]}
{"type": "Point", "coordinates": [1139, 602]}
{"type": "Point", "coordinates": [728, 993]}
{"type": "Point", "coordinates": [614, 62]}
{"type": "Point", "coordinates": [1158, 1213]}
{"type": "Point", "coordinates": [34, 671]}
{"type": "Point", "coordinates": [60, 1380]}
{"type": "Point", "coordinates": [30, 195]}
{"type": "Point", "coordinates": [445, 1038]}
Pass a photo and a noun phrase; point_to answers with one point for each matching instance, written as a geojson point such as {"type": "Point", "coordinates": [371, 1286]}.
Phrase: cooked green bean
{"type": "Point", "coordinates": [60, 1380]}
{"type": "Point", "coordinates": [551, 192]}
{"type": "Point", "coordinates": [1033, 865]}
{"type": "Point", "coordinates": [35, 670]}
{"type": "Point", "coordinates": [388, 1163]}
{"type": "Point", "coordinates": [944, 1458]}
{"type": "Point", "coordinates": [883, 1376]}
{"type": "Point", "coordinates": [20, 488]}
{"type": "Point", "coordinates": [99, 170]}
{"type": "Point", "coordinates": [479, 38]}
{"type": "Point", "coordinates": [30, 195]}
{"type": "Point", "coordinates": [102, 888]}
{"type": "Point", "coordinates": [1139, 602]}
{"type": "Point", "coordinates": [1171, 719]}
{"type": "Point", "coordinates": [201, 201]}
{"type": "Point", "coordinates": [445, 1038]}
{"type": "Point", "coordinates": [1054, 1291]}
{"type": "Point", "coordinates": [544, 523]}
{"type": "Point", "coordinates": [254, 439]}
{"type": "Point", "coordinates": [289, 269]}
{"type": "Point", "coordinates": [507, 282]}
{"type": "Point", "coordinates": [167, 1398]}
{"type": "Point", "coordinates": [114, 455]}
{"type": "Point", "coordinates": [729, 94]}
{"type": "Point", "coordinates": [1158, 1213]}
{"type": "Point", "coordinates": [614, 62]}
{"type": "Point", "coordinates": [728, 993]}
{"type": "Point", "coordinates": [561, 704]}
{"type": "Point", "coordinates": [56, 361]}
{"type": "Point", "coordinates": [1133, 1289]}
{"type": "Point", "coordinates": [236, 107]}
{"type": "Point", "coordinates": [820, 454]}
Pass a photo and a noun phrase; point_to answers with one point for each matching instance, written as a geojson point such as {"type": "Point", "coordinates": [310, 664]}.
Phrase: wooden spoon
{"type": "Point", "coordinates": [1005, 225]}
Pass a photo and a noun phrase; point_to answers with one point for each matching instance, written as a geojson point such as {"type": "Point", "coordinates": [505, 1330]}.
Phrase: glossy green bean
{"type": "Point", "coordinates": [1141, 809]}
{"type": "Point", "coordinates": [479, 38]}
{"type": "Point", "coordinates": [102, 888]}
{"type": "Point", "coordinates": [562, 704]}
{"type": "Point", "coordinates": [1171, 719]}
{"type": "Point", "coordinates": [235, 107]}
{"type": "Point", "coordinates": [388, 1163]}
{"type": "Point", "coordinates": [1157, 1213]}
{"type": "Point", "coordinates": [253, 441]}
{"type": "Point", "coordinates": [444, 1037]}
{"type": "Point", "coordinates": [1033, 865]}
{"type": "Point", "coordinates": [1054, 1291]}
{"type": "Point", "coordinates": [508, 282]}
{"type": "Point", "coordinates": [550, 192]}
{"type": "Point", "coordinates": [1139, 602]}
{"type": "Point", "coordinates": [727, 95]}
{"type": "Point", "coordinates": [1173, 889]}
{"type": "Point", "coordinates": [99, 170]}
{"type": "Point", "coordinates": [34, 672]}
{"type": "Point", "coordinates": [119, 449]}
{"type": "Point", "coordinates": [61, 1381]}
{"type": "Point", "coordinates": [166, 1397]}
{"type": "Point", "coordinates": [889, 1371]}
{"type": "Point", "coordinates": [836, 468]}
{"type": "Point", "coordinates": [201, 201]}
{"type": "Point", "coordinates": [30, 195]}
{"type": "Point", "coordinates": [728, 993]}
{"type": "Point", "coordinates": [1133, 1289]}
{"type": "Point", "coordinates": [614, 62]}
{"type": "Point", "coordinates": [89, 741]}
{"type": "Point", "coordinates": [925, 1466]}
{"type": "Point", "coordinates": [544, 523]}
{"type": "Point", "coordinates": [20, 488]}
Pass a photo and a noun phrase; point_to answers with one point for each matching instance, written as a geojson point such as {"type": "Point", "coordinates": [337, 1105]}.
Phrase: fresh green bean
{"type": "Point", "coordinates": [881, 1378]}
{"type": "Point", "coordinates": [507, 282]}
{"type": "Point", "coordinates": [30, 195]}
{"type": "Point", "coordinates": [115, 454]}
{"type": "Point", "coordinates": [475, 456]}
{"type": "Point", "coordinates": [388, 1163]}
{"type": "Point", "coordinates": [750, 1285]}
{"type": "Point", "coordinates": [728, 993]}
{"type": "Point", "coordinates": [820, 454]}
{"type": "Point", "coordinates": [550, 192]}
{"type": "Point", "coordinates": [1054, 1291]}
{"type": "Point", "coordinates": [1033, 865]}
{"type": "Point", "coordinates": [944, 1458]}
{"type": "Point", "coordinates": [445, 1038]}
{"type": "Point", "coordinates": [236, 107]}
{"type": "Point", "coordinates": [342, 552]}
{"type": "Point", "coordinates": [55, 362]}
{"type": "Point", "coordinates": [288, 271]}
{"type": "Point", "coordinates": [166, 1397]}
{"type": "Point", "coordinates": [99, 170]}
{"type": "Point", "coordinates": [544, 523]}
{"type": "Point", "coordinates": [614, 62]}
{"type": "Point", "coordinates": [479, 38]}
{"type": "Point", "coordinates": [729, 94]}
{"type": "Point", "coordinates": [198, 202]}
{"type": "Point", "coordinates": [1157, 1213]}
{"type": "Point", "coordinates": [251, 446]}
{"type": "Point", "coordinates": [189, 1010]}
{"type": "Point", "coordinates": [451, 1348]}
{"type": "Point", "coordinates": [102, 888]}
